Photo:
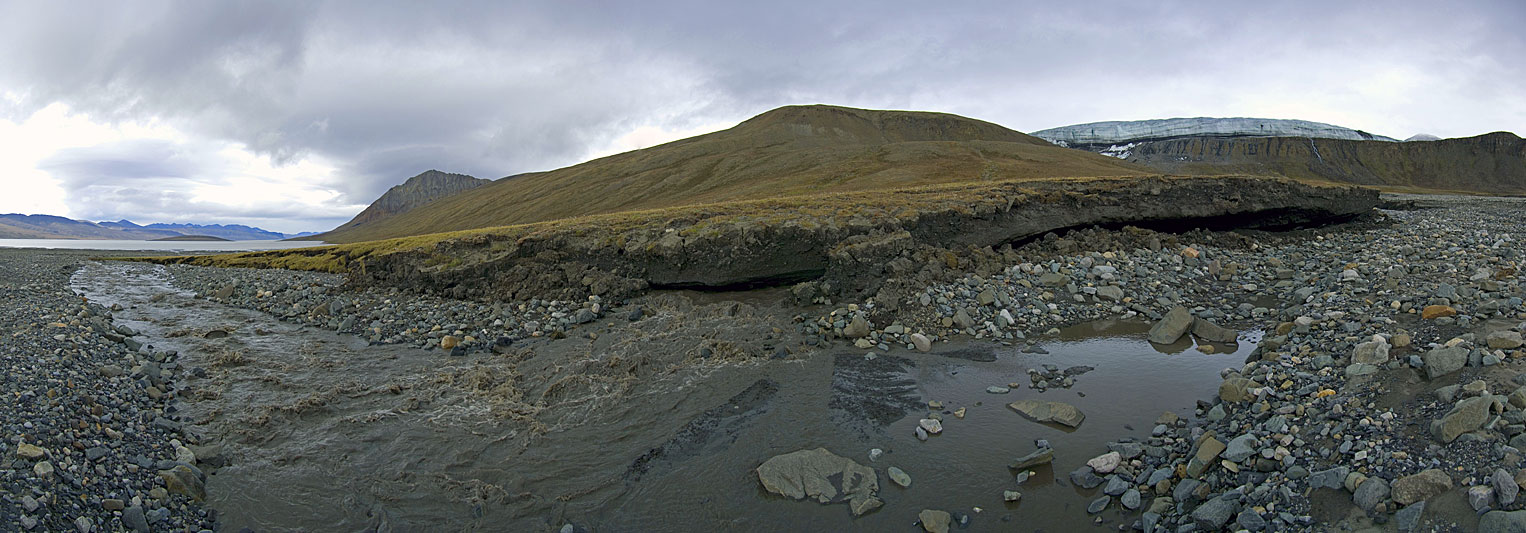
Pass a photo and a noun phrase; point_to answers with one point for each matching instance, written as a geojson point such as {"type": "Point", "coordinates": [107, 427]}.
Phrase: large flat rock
{"type": "Point", "coordinates": [824, 476]}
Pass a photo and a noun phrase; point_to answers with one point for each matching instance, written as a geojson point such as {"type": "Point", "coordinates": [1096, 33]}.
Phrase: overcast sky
{"type": "Point", "coordinates": [293, 116]}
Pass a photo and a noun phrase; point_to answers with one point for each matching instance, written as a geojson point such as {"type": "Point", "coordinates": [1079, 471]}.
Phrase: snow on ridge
{"type": "Point", "coordinates": [1117, 133]}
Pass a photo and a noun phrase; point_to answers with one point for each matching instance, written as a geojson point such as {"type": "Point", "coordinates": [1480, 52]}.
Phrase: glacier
{"type": "Point", "coordinates": [1120, 133]}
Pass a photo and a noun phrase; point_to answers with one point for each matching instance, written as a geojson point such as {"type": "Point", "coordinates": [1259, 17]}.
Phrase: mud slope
{"type": "Point", "coordinates": [1494, 163]}
{"type": "Point", "coordinates": [851, 241]}
{"type": "Point", "coordinates": [790, 151]}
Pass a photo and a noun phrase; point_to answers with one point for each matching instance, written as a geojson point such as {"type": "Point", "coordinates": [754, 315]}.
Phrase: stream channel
{"type": "Point", "coordinates": [324, 432]}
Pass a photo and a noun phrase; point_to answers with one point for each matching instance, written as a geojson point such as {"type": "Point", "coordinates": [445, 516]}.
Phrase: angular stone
{"type": "Point", "coordinates": [1213, 514]}
{"type": "Point", "coordinates": [921, 342]}
{"type": "Point", "coordinates": [934, 521]}
{"type": "Point", "coordinates": [1237, 389]}
{"type": "Point", "coordinates": [857, 328]}
{"type": "Point", "coordinates": [1502, 522]}
{"type": "Point", "coordinates": [1504, 340]}
{"type": "Point", "coordinates": [1044, 411]}
{"type": "Point", "coordinates": [1110, 292]}
{"type": "Point", "coordinates": [30, 452]}
{"type": "Point", "coordinates": [1105, 463]}
{"type": "Point", "coordinates": [1408, 518]}
{"type": "Point", "coordinates": [1213, 332]}
{"type": "Point", "coordinates": [182, 480]}
{"type": "Point", "coordinates": [1172, 326]}
{"type": "Point", "coordinates": [822, 475]}
{"type": "Point", "coordinates": [1420, 487]}
{"type": "Point", "coordinates": [1040, 457]}
{"type": "Point", "coordinates": [1372, 353]}
{"type": "Point", "coordinates": [1437, 311]}
{"type": "Point", "coordinates": [1442, 361]}
{"type": "Point", "coordinates": [1333, 478]}
{"type": "Point", "coordinates": [1505, 489]}
{"type": "Point", "coordinates": [1204, 458]}
{"type": "Point", "coordinates": [1240, 448]}
{"type": "Point", "coordinates": [1468, 415]}
{"type": "Point", "coordinates": [1481, 497]}
{"type": "Point", "coordinates": [1370, 493]}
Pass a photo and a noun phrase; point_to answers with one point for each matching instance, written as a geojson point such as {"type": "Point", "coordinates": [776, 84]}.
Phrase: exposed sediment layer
{"type": "Point", "coordinates": [851, 241]}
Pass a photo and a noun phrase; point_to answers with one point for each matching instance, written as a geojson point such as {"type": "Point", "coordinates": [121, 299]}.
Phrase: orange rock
{"type": "Point", "coordinates": [449, 341]}
{"type": "Point", "coordinates": [1190, 252]}
{"type": "Point", "coordinates": [1437, 311]}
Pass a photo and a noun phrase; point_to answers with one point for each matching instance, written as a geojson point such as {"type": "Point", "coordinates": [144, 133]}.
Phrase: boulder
{"type": "Point", "coordinates": [1211, 332]}
{"type": "Point", "coordinates": [1370, 493]}
{"type": "Point", "coordinates": [1110, 292]}
{"type": "Point", "coordinates": [1240, 448]}
{"type": "Point", "coordinates": [182, 480]}
{"type": "Point", "coordinates": [1044, 411]}
{"type": "Point", "coordinates": [934, 521]}
{"type": "Point", "coordinates": [1503, 522]}
{"type": "Point", "coordinates": [1419, 487]}
{"type": "Point", "coordinates": [921, 342]}
{"type": "Point", "coordinates": [1040, 457]}
{"type": "Point", "coordinates": [1442, 361]}
{"type": "Point", "coordinates": [1105, 463]}
{"type": "Point", "coordinates": [1437, 311]}
{"type": "Point", "coordinates": [1213, 514]}
{"type": "Point", "coordinates": [1467, 416]}
{"type": "Point", "coordinates": [1372, 353]}
{"type": "Point", "coordinates": [1505, 488]}
{"type": "Point", "coordinates": [1203, 458]}
{"type": "Point", "coordinates": [1237, 389]}
{"type": "Point", "coordinates": [857, 328]}
{"type": "Point", "coordinates": [822, 475]}
{"type": "Point", "coordinates": [1504, 340]}
{"type": "Point", "coordinates": [1172, 326]}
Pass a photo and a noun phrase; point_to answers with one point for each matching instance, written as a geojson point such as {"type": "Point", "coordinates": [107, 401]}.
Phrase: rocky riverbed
{"type": "Point", "coordinates": [1383, 392]}
{"type": "Point", "coordinates": [91, 432]}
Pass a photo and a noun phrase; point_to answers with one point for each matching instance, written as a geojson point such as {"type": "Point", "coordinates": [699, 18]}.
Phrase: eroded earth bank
{"type": "Point", "coordinates": [1365, 375]}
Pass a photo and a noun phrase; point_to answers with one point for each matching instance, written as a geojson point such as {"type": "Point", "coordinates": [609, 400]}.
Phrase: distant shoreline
{"type": "Point", "coordinates": [192, 238]}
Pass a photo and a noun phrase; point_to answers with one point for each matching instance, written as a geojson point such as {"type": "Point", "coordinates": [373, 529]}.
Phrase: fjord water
{"type": "Point", "coordinates": [157, 246]}
{"type": "Point", "coordinates": [325, 432]}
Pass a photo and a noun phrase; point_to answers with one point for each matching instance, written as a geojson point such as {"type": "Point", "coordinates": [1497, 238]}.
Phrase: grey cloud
{"type": "Point", "coordinates": [388, 89]}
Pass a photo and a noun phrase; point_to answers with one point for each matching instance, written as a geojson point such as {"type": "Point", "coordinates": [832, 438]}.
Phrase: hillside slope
{"type": "Point", "coordinates": [1494, 163]}
{"type": "Point", "coordinates": [789, 151]}
{"type": "Point", "coordinates": [426, 187]}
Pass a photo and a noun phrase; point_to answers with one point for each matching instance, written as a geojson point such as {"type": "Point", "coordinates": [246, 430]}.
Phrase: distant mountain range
{"type": "Point", "coordinates": [16, 226]}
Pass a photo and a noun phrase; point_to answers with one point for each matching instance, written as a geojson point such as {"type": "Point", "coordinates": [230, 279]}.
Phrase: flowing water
{"type": "Point", "coordinates": [324, 432]}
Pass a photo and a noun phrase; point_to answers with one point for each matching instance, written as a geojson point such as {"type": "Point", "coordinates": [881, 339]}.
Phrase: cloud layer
{"type": "Point", "coordinates": [368, 93]}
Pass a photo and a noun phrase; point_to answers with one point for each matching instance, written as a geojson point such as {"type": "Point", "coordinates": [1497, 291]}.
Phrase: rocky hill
{"type": "Point", "coordinates": [426, 187]}
{"type": "Point", "coordinates": [790, 151]}
{"type": "Point", "coordinates": [1494, 163]}
{"type": "Point", "coordinates": [1097, 136]}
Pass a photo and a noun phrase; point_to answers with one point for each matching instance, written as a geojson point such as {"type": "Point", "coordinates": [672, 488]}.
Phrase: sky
{"type": "Point", "coordinates": [294, 115]}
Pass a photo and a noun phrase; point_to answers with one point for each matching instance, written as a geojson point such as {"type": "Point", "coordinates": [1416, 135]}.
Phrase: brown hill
{"type": "Point", "coordinates": [426, 187]}
{"type": "Point", "coordinates": [1493, 164]}
{"type": "Point", "coordinates": [790, 151]}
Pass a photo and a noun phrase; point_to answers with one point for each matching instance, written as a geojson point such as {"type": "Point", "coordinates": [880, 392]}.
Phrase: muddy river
{"type": "Point", "coordinates": [324, 432]}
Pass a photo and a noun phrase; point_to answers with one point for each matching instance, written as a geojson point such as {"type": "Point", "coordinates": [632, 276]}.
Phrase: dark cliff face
{"type": "Point", "coordinates": [418, 190]}
{"type": "Point", "coordinates": [1494, 163]}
